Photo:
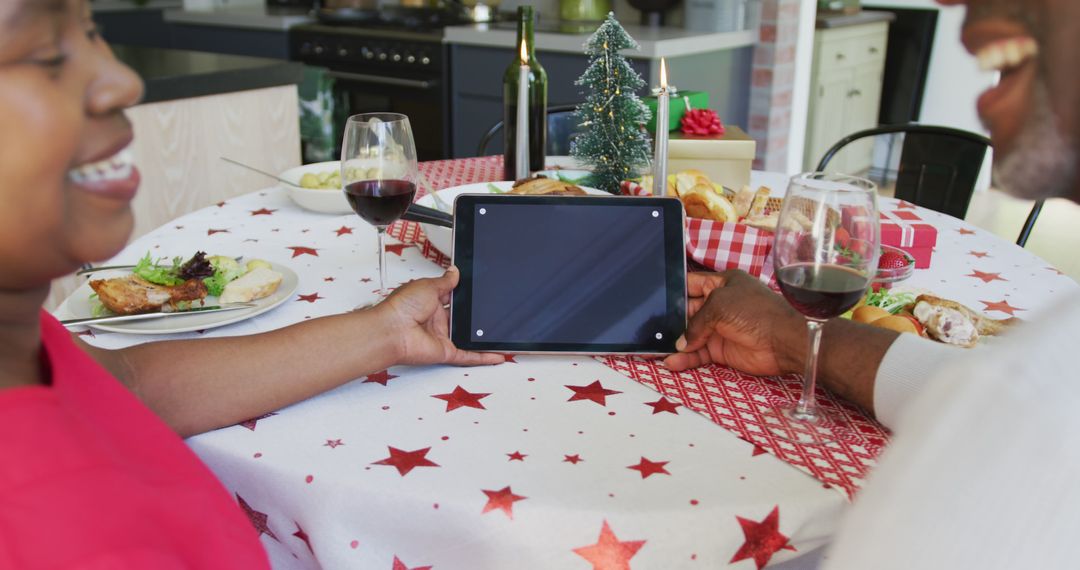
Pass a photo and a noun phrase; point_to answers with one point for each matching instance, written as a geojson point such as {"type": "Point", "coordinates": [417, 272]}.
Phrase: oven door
{"type": "Point", "coordinates": [421, 98]}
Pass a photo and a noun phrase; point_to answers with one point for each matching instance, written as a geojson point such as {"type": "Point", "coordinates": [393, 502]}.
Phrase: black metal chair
{"type": "Point", "coordinates": [561, 129]}
{"type": "Point", "coordinates": [938, 167]}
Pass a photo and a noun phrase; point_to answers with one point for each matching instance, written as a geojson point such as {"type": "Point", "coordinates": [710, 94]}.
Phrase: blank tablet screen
{"type": "Point", "coordinates": [569, 274]}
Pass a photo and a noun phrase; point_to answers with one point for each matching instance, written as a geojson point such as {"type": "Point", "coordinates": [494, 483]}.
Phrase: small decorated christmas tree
{"type": "Point", "coordinates": [614, 144]}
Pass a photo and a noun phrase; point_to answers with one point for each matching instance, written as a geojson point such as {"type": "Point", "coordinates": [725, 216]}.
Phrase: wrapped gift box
{"type": "Point", "coordinates": [676, 108]}
{"type": "Point", "coordinates": [906, 230]}
{"type": "Point", "coordinates": [726, 159]}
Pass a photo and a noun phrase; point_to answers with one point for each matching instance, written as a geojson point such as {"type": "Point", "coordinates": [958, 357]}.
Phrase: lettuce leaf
{"type": "Point", "coordinates": [156, 272]}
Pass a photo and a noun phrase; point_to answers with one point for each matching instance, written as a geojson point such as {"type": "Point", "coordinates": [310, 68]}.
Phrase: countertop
{"type": "Point", "coordinates": [253, 17]}
{"type": "Point", "coordinates": [129, 5]}
{"type": "Point", "coordinates": [172, 74]}
{"type": "Point", "coordinates": [655, 42]}
{"type": "Point", "coordinates": [828, 22]}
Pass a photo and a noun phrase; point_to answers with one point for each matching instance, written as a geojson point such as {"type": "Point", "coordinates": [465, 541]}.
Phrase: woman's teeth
{"type": "Point", "coordinates": [116, 167]}
{"type": "Point", "coordinates": [1006, 54]}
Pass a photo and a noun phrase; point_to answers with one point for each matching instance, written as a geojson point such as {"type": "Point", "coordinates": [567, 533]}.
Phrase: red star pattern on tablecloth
{"type": "Point", "coordinates": [979, 254]}
{"type": "Point", "coordinates": [462, 398]}
{"type": "Point", "coordinates": [965, 232]}
{"type": "Point", "coordinates": [574, 459]}
{"type": "Point", "coordinates": [399, 565]}
{"type": "Point", "coordinates": [763, 539]}
{"type": "Point", "coordinates": [758, 450]}
{"type": "Point", "coordinates": [406, 461]}
{"type": "Point", "coordinates": [503, 499]}
{"type": "Point", "coordinates": [343, 230]}
{"type": "Point", "coordinates": [298, 250]}
{"type": "Point", "coordinates": [333, 443]}
{"type": "Point", "coordinates": [516, 456]}
{"type": "Point", "coordinates": [397, 248]}
{"type": "Point", "coordinates": [509, 358]}
{"type": "Point", "coordinates": [212, 231]}
{"type": "Point", "coordinates": [663, 405]}
{"type": "Point", "coordinates": [379, 377]}
{"type": "Point", "coordinates": [986, 277]}
{"type": "Point", "coordinates": [610, 553]}
{"type": "Point", "coordinates": [303, 536]}
{"type": "Point", "coordinates": [309, 298]}
{"type": "Point", "coordinates": [262, 212]}
{"type": "Point", "coordinates": [250, 423]}
{"type": "Point", "coordinates": [258, 520]}
{"type": "Point", "coordinates": [594, 392]}
{"type": "Point", "coordinates": [1002, 306]}
{"type": "Point", "coordinates": [648, 468]}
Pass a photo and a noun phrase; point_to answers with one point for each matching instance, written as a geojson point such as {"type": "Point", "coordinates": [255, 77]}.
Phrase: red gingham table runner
{"type": "Point", "coordinates": [733, 400]}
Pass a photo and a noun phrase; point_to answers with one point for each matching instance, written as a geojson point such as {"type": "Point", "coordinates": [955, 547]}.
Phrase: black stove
{"type": "Point", "coordinates": [391, 60]}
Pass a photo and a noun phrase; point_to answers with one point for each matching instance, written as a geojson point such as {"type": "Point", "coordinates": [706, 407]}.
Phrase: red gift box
{"type": "Point", "coordinates": [906, 230]}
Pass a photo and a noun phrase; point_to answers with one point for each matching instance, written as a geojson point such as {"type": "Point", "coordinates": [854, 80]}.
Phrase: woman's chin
{"type": "Point", "coordinates": [100, 241]}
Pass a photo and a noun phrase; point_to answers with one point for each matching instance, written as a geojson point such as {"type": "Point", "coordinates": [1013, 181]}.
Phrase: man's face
{"type": "Point", "coordinates": [1032, 112]}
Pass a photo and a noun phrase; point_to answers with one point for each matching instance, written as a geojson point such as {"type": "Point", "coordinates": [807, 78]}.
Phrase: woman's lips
{"type": "Point", "coordinates": [115, 177]}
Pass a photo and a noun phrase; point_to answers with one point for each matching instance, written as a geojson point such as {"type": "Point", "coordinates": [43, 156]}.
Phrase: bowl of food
{"type": "Point", "coordinates": [894, 266]}
{"type": "Point", "coordinates": [317, 187]}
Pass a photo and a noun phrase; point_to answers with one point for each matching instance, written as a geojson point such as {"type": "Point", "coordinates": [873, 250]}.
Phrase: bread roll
{"type": "Point", "coordinates": [703, 202]}
{"type": "Point", "coordinates": [869, 314]}
{"type": "Point", "coordinates": [896, 323]}
{"type": "Point", "coordinates": [743, 199]}
{"type": "Point", "coordinates": [255, 284]}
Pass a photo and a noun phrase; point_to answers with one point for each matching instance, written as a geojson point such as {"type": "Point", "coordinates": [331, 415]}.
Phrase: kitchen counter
{"type": "Point", "coordinates": [830, 21]}
{"type": "Point", "coordinates": [655, 42]}
{"type": "Point", "coordinates": [180, 74]}
{"type": "Point", "coordinates": [99, 6]}
{"type": "Point", "coordinates": [250, 17]}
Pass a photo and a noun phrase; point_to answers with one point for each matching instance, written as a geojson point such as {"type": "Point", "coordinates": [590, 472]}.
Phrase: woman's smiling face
{"type": "Point", "coordinates": [66, 179]}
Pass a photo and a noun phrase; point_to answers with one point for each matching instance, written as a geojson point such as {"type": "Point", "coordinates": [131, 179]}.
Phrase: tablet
{"type": "Point", "coordinates": [574, 274]}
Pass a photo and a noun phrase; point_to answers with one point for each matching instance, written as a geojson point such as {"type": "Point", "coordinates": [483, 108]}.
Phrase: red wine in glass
{"type": "Point", "coordinates": [380, 202]}
{"type": "Point", "coordinates": [821, 291]}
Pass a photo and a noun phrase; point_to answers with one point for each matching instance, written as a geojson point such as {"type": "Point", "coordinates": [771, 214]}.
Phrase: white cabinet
{"type": "Point", "coordinates": [845, 93]}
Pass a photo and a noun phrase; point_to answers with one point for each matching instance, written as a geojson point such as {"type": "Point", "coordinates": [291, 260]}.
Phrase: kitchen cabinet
{"type": "Point", "coordinates": [849, 64]}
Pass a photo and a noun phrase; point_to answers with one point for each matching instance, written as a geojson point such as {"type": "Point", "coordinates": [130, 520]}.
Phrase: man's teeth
{"type": "Point", "coordinates": [1006, 54]}
{"type": "Point", "coordinates": [116, 167]}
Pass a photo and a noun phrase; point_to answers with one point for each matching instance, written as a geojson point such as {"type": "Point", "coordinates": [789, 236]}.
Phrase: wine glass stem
{"type": "Point", "coordinates": [806, 409]}
{"type": "Point", "coordinates": [382, 260]}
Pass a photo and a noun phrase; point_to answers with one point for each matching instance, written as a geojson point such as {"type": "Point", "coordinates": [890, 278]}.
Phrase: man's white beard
{"type": "Point", "coordinates": [1042, 163]}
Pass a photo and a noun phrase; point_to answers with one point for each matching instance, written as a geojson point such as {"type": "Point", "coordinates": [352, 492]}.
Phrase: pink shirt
{"type": "Point", "coordinates": [92, 479]}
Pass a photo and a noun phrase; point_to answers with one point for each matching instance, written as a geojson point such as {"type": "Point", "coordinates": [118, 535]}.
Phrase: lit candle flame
{"type": "Point", "coordinates": [663, 74]}
{"type": "Point", "coordinates": [524, 53]}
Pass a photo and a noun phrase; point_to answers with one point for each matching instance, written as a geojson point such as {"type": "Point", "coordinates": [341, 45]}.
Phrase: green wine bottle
{"type": "Point", "coordinates": [537, 100]}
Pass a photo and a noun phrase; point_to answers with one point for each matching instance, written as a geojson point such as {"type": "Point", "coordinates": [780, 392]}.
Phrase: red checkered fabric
{"type": "Point", "coordinates": [735, 401]}
{"type": "Point", "coordinates": [724, 245]}
{"type": "Point", "coordinates": [741, 403]}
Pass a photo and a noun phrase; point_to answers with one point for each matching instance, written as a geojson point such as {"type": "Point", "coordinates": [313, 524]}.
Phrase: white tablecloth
{"type": "Point", "coordinates": [541, 462]}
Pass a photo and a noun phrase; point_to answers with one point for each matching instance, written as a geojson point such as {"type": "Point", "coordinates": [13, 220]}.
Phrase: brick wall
{"type": "Point", "coordinates": [773, 82]}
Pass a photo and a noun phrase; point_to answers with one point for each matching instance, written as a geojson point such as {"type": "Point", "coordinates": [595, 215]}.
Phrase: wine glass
{"type": "Point", "coordinates": [379, 173]}
{"type": "Point", "coordinates": [825, 256]}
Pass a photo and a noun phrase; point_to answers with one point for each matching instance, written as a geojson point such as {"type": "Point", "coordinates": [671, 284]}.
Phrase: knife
{"type": "Point", "coordinates": [159, 315]}
{"type": "Point", "coordinates": [423, 214]}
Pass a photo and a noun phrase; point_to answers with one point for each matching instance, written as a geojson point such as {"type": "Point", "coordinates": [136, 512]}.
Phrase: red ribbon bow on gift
{"type": "Point", "coordinates": [701, 122]}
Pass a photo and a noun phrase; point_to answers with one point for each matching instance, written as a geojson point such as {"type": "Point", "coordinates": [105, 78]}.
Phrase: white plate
{"type": "Point", "coordinates": [567, 175]}
{"type": "Point", "coordinates": [443, 238]}
{"type": "Point", "coordinates": [324, 201]}
{"type": "Point", "coordinates": [78, 306]}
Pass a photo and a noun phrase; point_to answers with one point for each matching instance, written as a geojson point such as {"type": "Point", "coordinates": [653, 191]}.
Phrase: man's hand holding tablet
{"type": "Point", "coordinates": [594, 275]}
